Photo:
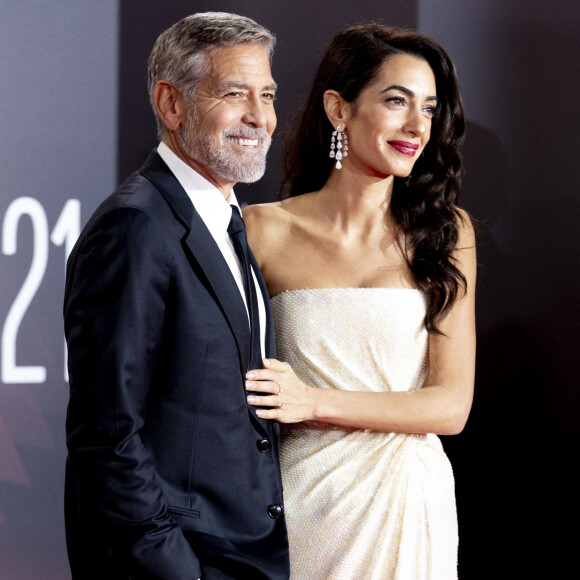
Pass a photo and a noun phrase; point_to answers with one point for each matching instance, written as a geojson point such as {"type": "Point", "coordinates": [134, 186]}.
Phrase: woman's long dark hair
{"type": "Point", "coordinates": [424, 205]}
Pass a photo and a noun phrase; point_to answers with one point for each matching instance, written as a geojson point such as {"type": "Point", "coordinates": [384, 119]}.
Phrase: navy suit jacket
{"type": "Point", "coordinates": [170, 473]}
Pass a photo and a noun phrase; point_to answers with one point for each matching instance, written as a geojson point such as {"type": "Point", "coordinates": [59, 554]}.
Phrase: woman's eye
{"type": "Point", "coordinates": [396, 100]}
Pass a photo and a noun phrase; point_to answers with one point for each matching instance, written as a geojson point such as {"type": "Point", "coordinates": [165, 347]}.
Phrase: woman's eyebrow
{"type": "Point", "coordinates": [407, 91]}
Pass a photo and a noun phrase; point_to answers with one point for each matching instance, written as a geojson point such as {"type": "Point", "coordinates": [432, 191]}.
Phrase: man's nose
{"type": "Point", "coordinates": [257, 113]}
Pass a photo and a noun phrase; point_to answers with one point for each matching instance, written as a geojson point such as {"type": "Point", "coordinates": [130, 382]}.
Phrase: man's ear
{"type": "Point", "coordinates": [170, 105]}
{"type": "Point", "coordinates": [337, 109]}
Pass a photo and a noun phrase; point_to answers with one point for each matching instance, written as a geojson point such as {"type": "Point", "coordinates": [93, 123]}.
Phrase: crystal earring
{"type": "Point", "coordinates": [338, 146]}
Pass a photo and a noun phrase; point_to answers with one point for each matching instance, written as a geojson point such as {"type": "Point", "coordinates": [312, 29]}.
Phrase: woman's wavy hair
{"type": "Point", "coordinates": [424, 205]}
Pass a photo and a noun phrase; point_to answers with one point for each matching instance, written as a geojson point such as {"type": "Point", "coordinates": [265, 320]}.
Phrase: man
{"type": "Point", "coordinates": [170, 474]}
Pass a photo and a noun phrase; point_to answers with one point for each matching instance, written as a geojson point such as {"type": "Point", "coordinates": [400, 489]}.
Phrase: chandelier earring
{"type": "Point", "coordinates": [338, 145]}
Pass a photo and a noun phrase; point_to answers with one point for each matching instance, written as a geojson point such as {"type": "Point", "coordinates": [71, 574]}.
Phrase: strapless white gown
{"type": "Point", "coordinates": [362, 505]}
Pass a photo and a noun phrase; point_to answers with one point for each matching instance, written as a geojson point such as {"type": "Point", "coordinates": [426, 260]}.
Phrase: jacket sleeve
{"type": "Point", "coordinates": [118, 281]}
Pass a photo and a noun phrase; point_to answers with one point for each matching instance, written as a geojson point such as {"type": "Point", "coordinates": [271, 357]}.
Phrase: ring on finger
{"type": "Point", "coordinates": [280, 388]}
{"type": "Point", "coordinates": [282, 403]}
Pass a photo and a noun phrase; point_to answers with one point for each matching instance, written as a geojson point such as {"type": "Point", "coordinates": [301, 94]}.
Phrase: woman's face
{"type": "Point", "coordinates": [391, 122]}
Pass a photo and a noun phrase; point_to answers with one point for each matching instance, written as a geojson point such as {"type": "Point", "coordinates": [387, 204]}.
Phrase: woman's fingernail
{"type": "Point", "coordinates": [252, 399]}
{"type": "Point", "coordinates": [249, 375]}
{"type": "Point", "coordinates": [266, 362]}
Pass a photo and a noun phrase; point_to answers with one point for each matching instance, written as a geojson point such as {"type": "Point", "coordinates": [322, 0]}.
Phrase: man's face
{"type": "Point", "coordinates": [229, 123]}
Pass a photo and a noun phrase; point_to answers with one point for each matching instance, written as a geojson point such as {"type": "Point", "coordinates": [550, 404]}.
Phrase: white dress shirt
{"type": "Point", "coordinates": [216, 212]}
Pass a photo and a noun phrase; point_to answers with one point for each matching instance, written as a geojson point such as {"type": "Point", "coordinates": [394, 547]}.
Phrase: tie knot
{"type": "Point", "coordinates": [236, 225]}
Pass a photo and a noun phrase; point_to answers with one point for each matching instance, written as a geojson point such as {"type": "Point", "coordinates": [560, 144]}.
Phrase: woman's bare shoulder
{"type": "Point", "coordinates": [255, 214]}
{"type": "Point", "coordinates": [266, 224]}
{"type": "Point", "coordinates": [263, 219]}
{"type": "Point", "coordinates": [266, 217]}
{"type": "Point", "coordinates": [271, 226]}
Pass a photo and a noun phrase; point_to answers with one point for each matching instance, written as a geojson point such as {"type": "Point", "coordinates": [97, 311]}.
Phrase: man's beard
{"type": "Point", "coordinates": [226, 160]}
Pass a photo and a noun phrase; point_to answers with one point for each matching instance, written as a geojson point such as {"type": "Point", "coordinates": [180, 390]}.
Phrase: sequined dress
{"type": "Point", "coordinates": [362, 505]}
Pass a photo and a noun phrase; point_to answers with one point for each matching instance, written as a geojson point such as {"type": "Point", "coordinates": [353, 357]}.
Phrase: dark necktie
{"type": "Point", "coordinates": [237, 231]}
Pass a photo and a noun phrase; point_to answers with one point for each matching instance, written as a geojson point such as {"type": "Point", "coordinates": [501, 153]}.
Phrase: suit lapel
{"type": "Point", "coordinates": [206, 253]}
{"type": "Point", "coordinates": [203, 250]}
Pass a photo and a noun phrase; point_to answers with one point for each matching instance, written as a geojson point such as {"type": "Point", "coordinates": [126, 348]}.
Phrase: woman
{"type": "Point", "coordinates": [371, 268]}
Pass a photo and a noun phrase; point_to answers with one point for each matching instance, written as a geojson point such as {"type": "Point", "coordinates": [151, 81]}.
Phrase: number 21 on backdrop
{"type": "Point", "coordinates": [64, 233]}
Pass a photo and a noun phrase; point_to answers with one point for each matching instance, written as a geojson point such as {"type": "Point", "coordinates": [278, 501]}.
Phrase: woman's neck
{"type": "Point", "coordinates": [355, 205]}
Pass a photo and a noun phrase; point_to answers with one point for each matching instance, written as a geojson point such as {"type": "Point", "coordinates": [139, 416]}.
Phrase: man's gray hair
{"type": "Point", "coordinates": [179, 54]}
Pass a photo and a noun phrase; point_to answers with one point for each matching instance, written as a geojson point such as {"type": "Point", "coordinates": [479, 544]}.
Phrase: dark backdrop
{"type": "Point", "coordinates": [518, 70]}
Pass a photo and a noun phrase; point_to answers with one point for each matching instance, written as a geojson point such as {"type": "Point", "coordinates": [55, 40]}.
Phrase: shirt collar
{"type": "Point", "coordinates": [207, 199]}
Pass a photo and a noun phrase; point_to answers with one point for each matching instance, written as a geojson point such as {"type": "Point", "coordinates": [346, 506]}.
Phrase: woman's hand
{"type": "Point", "coordinates": [291, 400]}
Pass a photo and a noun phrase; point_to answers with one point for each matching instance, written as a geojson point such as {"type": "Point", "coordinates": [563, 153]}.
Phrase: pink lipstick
{"type": "Point", "coordinates": [404, 147]}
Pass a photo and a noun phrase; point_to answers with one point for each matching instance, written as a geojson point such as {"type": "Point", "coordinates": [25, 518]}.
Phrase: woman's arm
{"type": "Point", "coordinates": [442, 406]}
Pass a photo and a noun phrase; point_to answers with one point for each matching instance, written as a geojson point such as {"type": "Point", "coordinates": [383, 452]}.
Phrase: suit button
{"type": "Point", "coordinates": [263, 445]}
{"type": "Point", "coordinates": [275, 511]}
